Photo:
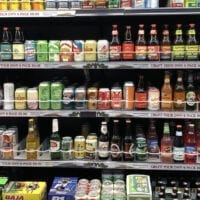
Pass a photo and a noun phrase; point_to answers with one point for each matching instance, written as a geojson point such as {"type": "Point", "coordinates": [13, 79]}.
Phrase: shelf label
{"type": "Point", "coordinates": [20, 65]}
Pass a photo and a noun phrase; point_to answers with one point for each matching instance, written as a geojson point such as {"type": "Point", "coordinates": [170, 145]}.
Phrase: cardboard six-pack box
{"type": "Point", "coordinates": [63, 188]}
{"type": "Point", "coordinates": [138, 187]}
{"type": "Point", "coordinates": [25, 190]}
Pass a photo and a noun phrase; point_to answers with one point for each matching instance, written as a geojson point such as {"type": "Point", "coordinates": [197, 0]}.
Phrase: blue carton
{"type": "Point", "coordinates": [63, 188]}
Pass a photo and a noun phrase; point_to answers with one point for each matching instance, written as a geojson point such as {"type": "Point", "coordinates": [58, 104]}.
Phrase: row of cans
{"type": "Point", "coordinates": [53, 95]}
{"type": "Point", "coordinates": [66, 50]}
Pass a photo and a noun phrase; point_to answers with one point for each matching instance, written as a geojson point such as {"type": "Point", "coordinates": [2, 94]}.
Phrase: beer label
{"type": "Point", "coordinates": [141, 100]}
{"type": "Point", "coordinates": [178, 52]}
{"type": "Point", "coordinates": [128, 51]}
{"type": "Point", "coordinates": [165, 52]}
{"type": "Point", "coordinates": [141, 149]}
{"type": "Point", "coordinates": [153, 99]}
{"type": "Point", "coordinates": [179, 99]}
{"type": "Point", "coordinates": [191, 52]}
{"type": "Point", "coordinates": [115, 52]}
{"type": "Point", "coordinates": [18, 52]}
{"type": "Point", "coordinates": [140, 52]}
{"type": "Point", "coordinates": [116, 99]}
{"type": "Point", "coordinates": [66, 53]}
{"type": "Point", "coordinates": [115, 150]}
{"type": "Point", "coordinates": [103, 149]}
{"type": "Point", "coordinates": [178, 153]}
{"type": "Point", "coordinates": [166, 101]}
{"type": "Point", "coordinates": [128, 150]}
{"type": "Point", "coordinates": [153, 146]}
{"type": "Point", "coordinates": [103, 51]}
{"type": "Point", "coordinates": [190, 98]}
{"type": "Point", "coordinates": [100, 3]}
{"type": "Point", "coordinates": [153, 52]}
{"type": "Point", "coordinates": [6, 52]}
{"type": "Point", "coordinates": [126, 4]}
{"type": "Point", "coordinates": [192, 32]}
{"type": "Point", "coordinates": [54, 145]}
{"type": "Point", "coordinates": [113, 4]}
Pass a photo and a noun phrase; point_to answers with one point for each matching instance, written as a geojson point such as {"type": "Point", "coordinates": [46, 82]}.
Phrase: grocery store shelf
{"type": "Point", "coordinates": [100, 12]}
{"type": "Point", "coordinates": [101, 165]}
{"type": "Point", "coordinates": [100, 113]}
{"type": "Point", "coordinates": [102, 65]}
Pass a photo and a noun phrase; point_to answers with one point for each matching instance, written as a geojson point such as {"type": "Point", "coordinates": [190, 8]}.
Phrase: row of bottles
{"type": "Point", "coordinates": [181, 146]}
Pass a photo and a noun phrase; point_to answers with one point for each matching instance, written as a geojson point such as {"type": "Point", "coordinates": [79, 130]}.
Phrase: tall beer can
{"type": "Point", "coordinates": [67, 148]}
{"type": "Point", "coordinates": [30, 50]}
{"type": "Point", "coordinates": [91, 146]}
{"type": "Point", "coordinates": [68, 98]}
{"type": "Point", "coordinates": [66, 51]}
{"type": "Point", "coordinates": [79, 147]}
{"type": "Point", "coordinates": [54, 50]}
{"type": "Point", "coordinates": [92, 95]}
{"type": "Point", "coordinates": [78, 50]}
{"type": "Point", "coordinates": [42, 50]}
{"type": "Point", "coordinates": [104, 98]}
{"type": "Point", "coordinates": [20, 98]}
{"type": "Point", "coordinates": [8, 89]}
{"type": "Point", "coordinates": [90, 50]}
{"type": "Point", "coordinates": [80, 98]}
{"type": "Point", "coordinates": [4, 5]}
{"type": "Point", "coordinates": [56, 95]}
{"type": "Point", "coordinates": [44, 95]}
{"type": "Point", "coordinates": [102, 50]}
{"type": "Point", "coordinates": [32, 98]}
{"type": "Point", "coordinates": [116, 98]}
{"type": "Point", "coordinates": [128, 95]}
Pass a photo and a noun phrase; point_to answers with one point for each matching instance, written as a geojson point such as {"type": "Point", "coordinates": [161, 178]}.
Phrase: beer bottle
{"type": "Point", "coordinates": [141, 95]}
{"type": "Point", "coordinates": [55, 141]}
{"type": "Point", "coordinates": [116, 154]}
{"type": "Point", "coordinates": [128, 45]}
{"type": "Point", "coordinates": [152, 140]}
{"type": "Point", "coordinates": [18, 45]}
{"type": "Point", "coordinates": [179, 93]}
{"type": "Point", "coordinates": [6, 46]}
{"type": "Point", "coordinates": [165, 46]}
{"type": "Point", "coordinates": [140, 45]}
{"type": "Point", "coordinates": [103, 143]}
{"type": "Point", "coordinates": [166, 94]}
{"type": "Point", "coordinates": [115, 46]}
{"type": "Point", "coordinates": [32, 143]}
{"type": "Point", "coordinates": [153, 45]}
{"type": "Point", "coordinates": [178, 46]}
{"type": "Point", "coordinates": [190, 95]}
{"type": "Point", "coordinates": [191, 47]}
{"type": "Point", "coordinates": [128, 148]}
{"type": "Point", "coordinates": [178, 145]}
{"type": "Point", "coordinates": [190, 146]}
{"type": "Point", "coordinates": [166, 145]}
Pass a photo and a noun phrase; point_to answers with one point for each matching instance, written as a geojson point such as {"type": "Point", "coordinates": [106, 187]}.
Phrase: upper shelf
{"type": "Point", "coordinates": [100, 12]}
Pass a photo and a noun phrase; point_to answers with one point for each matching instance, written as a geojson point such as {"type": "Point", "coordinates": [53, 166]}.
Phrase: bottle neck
{"type": "Point", "coordinates": [115, 130]}
{"type": "Point", "coordinates": [55, 126]}
{"type": "Point", "coordinates": [128, 129]}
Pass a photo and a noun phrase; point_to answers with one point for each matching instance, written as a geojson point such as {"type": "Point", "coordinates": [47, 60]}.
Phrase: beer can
{"type": "Point", "coordinates": [8, 144]}
{"type": "Point", "coordinates": [88, 4]}
{"type": "Point", "coordinates": [104, 98]}
{"type": "Point", "coordinates": [37, 4]}
{"type": "Point", "coordinates": [80, 98]}
{"type": "Point", "coordinates": [153, 98]}
{"type": "Point", "coordinates": [32, 98]}
{"type": "Point", "coordinates": [63, 4]}
{"type": "Point", "coordinates": [68, 98]}
{"type": "Point", "coordinates": [92, 95]}
{"type": "Point", "coordinates": [4, 5]}
{"type": "Point", "coordinates": [91, 146]}
{"type": "Point", "coordinates": [25, 5]}
{"type": "Point", "coordinates": [67, 148]}
{"type": "Point", "coordinates": [42, 50]}
{"type": "Point", "coordinates": [102, 50]}
{"type": "Point", "coordinates": [80, 195]}
{"type": "Point", "coordinates": [54, 50]}
{"type": "Point", "coordinates": [8, 89]}
{"type": "Point", "coordinates": [75, 4]}
{"type": "Point", "coordinates": [44, 95]}
{"type": "Point", "coordinates": [20, 98]}
{"type": "Point", "coordinates": [30, 50]}
{"type": "Point", "coordinates": [78, 50]}
{"type": "Point", "coordinates": [79, 147]}
{"type": "Point", "coordinates": [116, 98]}
{"type": "Point", "coordinates": [66, 51]}
{"type": "Point", "coordinates": [128, 95]}
{"type": "Point", "coordinates": [90, 50]}
{"type": "Point", "coordinates": [93, 195]}
{"type": "Point", "coordinates": [56, 95]}
{"type": "Point", "coordinates": [50, 4]}
{"type": "Point", "coordinates": [14, 5]}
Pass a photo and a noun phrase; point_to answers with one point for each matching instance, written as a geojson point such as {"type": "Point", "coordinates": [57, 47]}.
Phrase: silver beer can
{"type": "Point", "coordinates": [9, 96]}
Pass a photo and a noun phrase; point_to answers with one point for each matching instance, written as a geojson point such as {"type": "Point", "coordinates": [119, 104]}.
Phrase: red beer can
{"type": "Point", "coordinates": [104, 99]}
{"type": "Point", "coordinates": [116, 98]}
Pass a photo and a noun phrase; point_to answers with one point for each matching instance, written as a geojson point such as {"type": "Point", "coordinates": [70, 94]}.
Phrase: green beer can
{"type": "Point", "coordinates": [42, 50]}
{"type": "Point", "coordinates": [54, 50]}
{"type": "Point", "coordinates": [56, 95]}
{"type": "Point", "coordinates": [44, 95]}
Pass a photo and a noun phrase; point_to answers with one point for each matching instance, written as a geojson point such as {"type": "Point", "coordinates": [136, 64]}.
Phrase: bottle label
{"type": "Point", "coordinates": [179, 100]}
{"type": "Point", "coordinates": [153, 146]}
{"type": "Point", "coordinates": [190, 98]}
{"type": "Point", "coordinates": [153, 99]}
{"type": "Point", "coordinates": [128, 51]}
{"type": "Point", "coordinates": [128, 150]}
{"type": "Point", "coordinates": [178, 153]}
{"type": "Point", "coordinates": [18, 52]}
{"type": "Point", "coordinates": [126, 4]}
{"type": "Point", "coordinates": [115, 52]}
{"type": "Point", "coordinates": [153, 52]}
{"type": "Point", "coordinates": [178, 52]}
{"type": "Point", "coordinates": [141, 100]}
{"type": "Point", "coordinates": [103, 149]}
{"type": "Point", "coordinates": [165, 53]}
{"type": "Point", "coordinates": [140, 52]}
{"type": "Point", "coordinates": [115, 151]}
{"type": "Point", "coordinates": [190, 154]}
{"type": "Point", "coordinates": [166, 149]}
{"type": "Point", "coordinates": [191, 32]}
{"type": "Point", "coordinates": [54, 145]}
{"type": "Point", "coordinates": [141, 150]}
{"type": "Point", "coordinates": [166, 101]}
{"type": "Point", "coordinates": [6, 52]}
{"type": "Point", "coordinates": [191, 52]}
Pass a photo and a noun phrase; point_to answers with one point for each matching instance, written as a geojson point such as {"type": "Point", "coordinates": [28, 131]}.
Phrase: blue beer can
{"type": "Point", "coordinates": [30, 50]}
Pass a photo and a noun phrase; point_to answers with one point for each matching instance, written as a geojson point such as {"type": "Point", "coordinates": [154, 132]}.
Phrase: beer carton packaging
{"type": "Point", "coordinates": [25, 190]}
{"type": "Point", "coordinates": [138, 187]}
{"type": "Point", "coordinates": [63, 188]}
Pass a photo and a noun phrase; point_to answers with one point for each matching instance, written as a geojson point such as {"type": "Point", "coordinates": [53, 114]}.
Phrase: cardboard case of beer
{"type": "Point", "coordinates": [25, 190]}
{"type": "Point", "coordinates": [138, 187]}
{"type": "Point", "coordinates": [63, 188]}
